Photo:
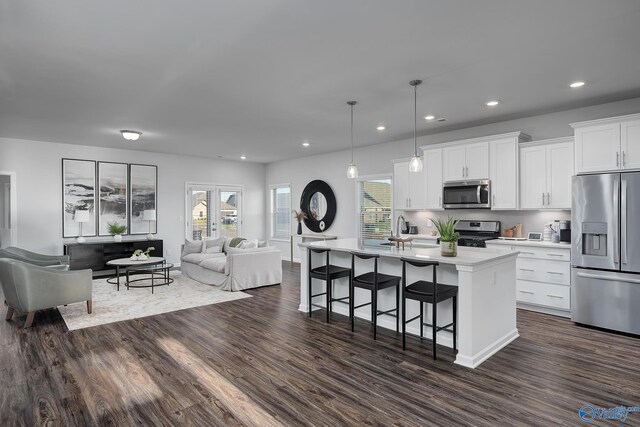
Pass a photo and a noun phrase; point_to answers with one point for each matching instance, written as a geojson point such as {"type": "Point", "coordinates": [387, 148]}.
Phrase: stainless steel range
{"type": "Point", "coordinates": [476, 233]}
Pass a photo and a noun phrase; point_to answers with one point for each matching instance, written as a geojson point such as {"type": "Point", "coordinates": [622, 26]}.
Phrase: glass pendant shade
{"type": "Point", "coordinates": [415, 164]}
{"type": "Point", "coordinates": [352, 171]}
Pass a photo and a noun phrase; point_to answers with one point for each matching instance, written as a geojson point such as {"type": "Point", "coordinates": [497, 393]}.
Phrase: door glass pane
{"type": "Point", "coordinates": [229, 205]}
{"type": "Point", "coordinates": [201, 225]}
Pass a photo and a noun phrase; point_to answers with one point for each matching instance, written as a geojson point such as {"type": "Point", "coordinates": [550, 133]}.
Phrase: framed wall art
{"type": "Point", "coordinates": [113, 195]}
{"type": "Point", "coordinates": [78, 194]}
{"type": "Point", "coordinates": [143, 189]}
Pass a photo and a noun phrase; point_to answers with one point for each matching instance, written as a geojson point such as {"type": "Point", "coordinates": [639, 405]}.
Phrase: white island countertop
{"type": "Point", "coordinates": [466, 256]}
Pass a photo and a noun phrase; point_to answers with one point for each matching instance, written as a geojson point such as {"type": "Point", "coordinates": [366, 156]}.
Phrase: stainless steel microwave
{"type": "Point", "coordinates": [467, 194]}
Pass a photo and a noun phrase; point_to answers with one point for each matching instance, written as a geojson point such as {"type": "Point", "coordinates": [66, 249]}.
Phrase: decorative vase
{"type": "Point", "coordinates": [143, 257]}
{"type": "Point", "coordinates": [134, 257]}
{"type": "Point", "coordinates": [299, 228]}
{"type": "Point", "coordinates": [449, 248]}
{"type": "Point", "coordinates": [117, 238]}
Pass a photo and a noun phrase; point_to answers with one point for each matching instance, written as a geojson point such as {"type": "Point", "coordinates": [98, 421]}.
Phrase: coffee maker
{"type": "Point", "coordinates": [565, 231]}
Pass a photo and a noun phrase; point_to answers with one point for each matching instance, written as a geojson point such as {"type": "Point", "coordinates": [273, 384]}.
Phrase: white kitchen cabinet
{"type": "Point", "coordinates": [607, 144]}
{"type": "Point", "coordinates": [504, 173]}
{"type": "Point", "coordinates": [432, 169]}
{"type": "Point", "coordinates": [466, 161]}
{"type": "Point", "coordinates": [543, 276]}
{"type": "Point", "coordinates": [409, 191]}
{"type": "Point", "coordinates": [546, 169]}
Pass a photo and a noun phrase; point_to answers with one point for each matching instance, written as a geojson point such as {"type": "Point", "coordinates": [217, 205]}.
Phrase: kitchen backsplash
{"type": "Point", "coordinates": [530, 220]}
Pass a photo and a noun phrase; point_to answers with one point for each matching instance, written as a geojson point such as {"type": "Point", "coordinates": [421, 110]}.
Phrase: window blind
{"type": "Point", "coordinates": [281, 212]}
{"type": "Point", "coordinates": [373, 210]}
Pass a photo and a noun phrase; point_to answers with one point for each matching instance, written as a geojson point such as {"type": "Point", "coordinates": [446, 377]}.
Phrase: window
{"type": "Point", "coordinates": [373, 209]}
{"type": "Point", "coordinates": [213, 211]}
{"type": "Point", "coordinates": [280, 211]}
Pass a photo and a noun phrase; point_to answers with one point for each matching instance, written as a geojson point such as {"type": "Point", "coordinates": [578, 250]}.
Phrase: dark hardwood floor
{"type": "Point", "coordinates": [259, 361]}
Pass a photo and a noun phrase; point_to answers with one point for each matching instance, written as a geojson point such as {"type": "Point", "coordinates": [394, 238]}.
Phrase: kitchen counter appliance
{"type": "Point", "coordinates": [605, 256]}
{"type": "Point", "coordinates": [476, 233]}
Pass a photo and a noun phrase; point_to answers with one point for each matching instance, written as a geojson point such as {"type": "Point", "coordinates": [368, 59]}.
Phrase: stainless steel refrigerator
{"type": "Point", "coordinates": [605, 256]}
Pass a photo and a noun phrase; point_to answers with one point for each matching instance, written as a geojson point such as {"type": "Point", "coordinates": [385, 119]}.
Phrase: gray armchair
{"type": "Point", "coordinates": [33, 258]}
{"type": "Point", "coordinates": [28, 288]}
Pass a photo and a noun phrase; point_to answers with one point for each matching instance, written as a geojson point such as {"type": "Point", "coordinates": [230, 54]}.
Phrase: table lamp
{"type": "Point", "coordinates": [149, 215]}
{"type": "Point", "coordinates": [81, 216]}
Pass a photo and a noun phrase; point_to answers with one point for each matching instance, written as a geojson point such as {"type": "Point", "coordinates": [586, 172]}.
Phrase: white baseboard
{"type": "Point", "coordinates": [487, 352]}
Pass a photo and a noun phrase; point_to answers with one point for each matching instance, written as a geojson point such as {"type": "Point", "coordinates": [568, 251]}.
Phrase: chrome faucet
{"type": "Point", "coordinates": [399, 223]}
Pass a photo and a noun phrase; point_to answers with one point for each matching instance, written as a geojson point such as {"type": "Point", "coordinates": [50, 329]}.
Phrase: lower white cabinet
{"type": "Point", "coordinates": [543, 278]}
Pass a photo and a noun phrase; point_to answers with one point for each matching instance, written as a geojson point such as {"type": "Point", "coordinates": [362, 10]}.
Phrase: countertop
{"type": "Point", "coordinates": [466, 256]}
{"type": "Point", "coordinates": [419, 236]}
{"type": "Point", "coordinates": [529, 243]}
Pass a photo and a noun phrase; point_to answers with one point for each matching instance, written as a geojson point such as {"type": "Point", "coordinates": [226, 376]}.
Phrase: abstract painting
{"type": "Point", "coordinates": [78, 193]}
{"type": "Point", "coordinates": [113, 195]}
{"type": "Point", "coordinates": [143, 196]}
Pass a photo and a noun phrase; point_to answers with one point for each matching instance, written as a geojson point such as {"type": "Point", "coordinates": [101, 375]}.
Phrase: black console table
{"type": "Point", "coordinates": [96, 255]}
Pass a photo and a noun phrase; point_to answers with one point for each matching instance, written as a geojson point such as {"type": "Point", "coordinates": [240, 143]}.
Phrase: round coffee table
{"type": "Point", "coordinates": [158, 274]}
{"type": "Point", "coordinates": [126, 263]}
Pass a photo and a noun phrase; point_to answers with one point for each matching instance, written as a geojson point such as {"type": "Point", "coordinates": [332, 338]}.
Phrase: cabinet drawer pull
{"type": "Point", "coordinates": [555, 255]}
{"type": "Point", "coordinates": [554, 272]}
{"type": "Point", "coordinates": [555, 296]}
{"type": "Point", "coordinates": [527, 292]}
{"type": "Point", "coordinates": [526, 269]}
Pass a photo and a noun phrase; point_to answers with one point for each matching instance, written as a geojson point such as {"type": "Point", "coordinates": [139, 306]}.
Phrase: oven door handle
{"type": "Point", "coordinates": [478, 194]}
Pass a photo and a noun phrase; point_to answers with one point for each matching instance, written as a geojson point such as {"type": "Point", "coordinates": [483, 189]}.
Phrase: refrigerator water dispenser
{"type": "Point", "coordinates": [594, 238]}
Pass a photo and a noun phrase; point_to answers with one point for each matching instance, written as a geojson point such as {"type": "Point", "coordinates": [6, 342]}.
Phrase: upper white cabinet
{"type": "Point", "coordinates": [466, 161]}
{"type": "Point", "coordinates": [504, 173]}
{"type": "Point", "coordinates": [607, 144]}
{"type": "Point", "coordinates": [546, 168]}
{"type": "Point", "coordinates": [409, 191]}
{"type": "Point", "coordinates": [432, 169]}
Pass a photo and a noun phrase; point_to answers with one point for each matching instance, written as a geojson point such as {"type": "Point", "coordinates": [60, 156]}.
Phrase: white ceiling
{"type": "Point", "coordinates": [259, 77]}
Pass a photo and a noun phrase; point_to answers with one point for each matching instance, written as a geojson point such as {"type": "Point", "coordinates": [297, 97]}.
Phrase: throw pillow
{"type": "Point", "coordinates": [213, 250]}
{"type": "Point", "coordinates": [191, 247]}
{"type": "Point", "coordinates": [212, 243]}
{"type": "Point", "coordinates": [248, 244]}
{"type": "Point", "coordinates": [234, 241]}
{"type": "Point", "coordinates": [262, 243]}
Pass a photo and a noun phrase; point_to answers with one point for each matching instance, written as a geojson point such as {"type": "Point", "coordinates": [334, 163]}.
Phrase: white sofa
{"type": "Point", "coordinates": [235, 270]}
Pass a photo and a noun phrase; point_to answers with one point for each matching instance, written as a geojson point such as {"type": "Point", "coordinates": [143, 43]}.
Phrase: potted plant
{"type": "Point", "coordinates": [299, 216]}
{"type": "Point", "coordinates": [448, 235]}
{"type": "Point", "coordinates": [116, 230]}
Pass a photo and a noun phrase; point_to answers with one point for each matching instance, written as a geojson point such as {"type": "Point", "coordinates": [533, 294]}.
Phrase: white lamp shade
{"type": "Point", "coordinates": [149, 215]}
{"type": "Point", "coordinates": [352, 171]}
{"type": "Point", "coordinates": [81, 216]}
{"type": "Point", "coordinates": [415, 164]}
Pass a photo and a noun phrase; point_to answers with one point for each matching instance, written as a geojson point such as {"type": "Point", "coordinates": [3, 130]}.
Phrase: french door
{"type": "Point", "coordinates": [213, 211]}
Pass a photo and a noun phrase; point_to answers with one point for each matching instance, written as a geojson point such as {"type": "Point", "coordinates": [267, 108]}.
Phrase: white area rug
{"type": "Point", "coordinates": [111, 306]}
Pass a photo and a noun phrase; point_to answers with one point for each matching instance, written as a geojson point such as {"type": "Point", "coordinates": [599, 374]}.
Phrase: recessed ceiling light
{"type": "Point", "coordinates": [576, 84]}
{"type": "Point", "coordinates": [492, 103]}
{"type": "Point", "coordinates": [130, 135]}
{"type": "Point", "coordinates": [305, 144]}
{"type": "Point", "coordinates": [381, 127]}
{"type": "Point", "coordinates": [429, 117]}
{"type": "Point", "coordinates": [243, 157]}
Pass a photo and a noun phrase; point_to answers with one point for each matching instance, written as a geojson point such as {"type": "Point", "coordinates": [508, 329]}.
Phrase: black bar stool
{"type": "Point", "coordinates": [431, 293]}
{"type": "Point", "coordinates": [373, 281]}
{"type": "Point", "coordinates": [328, 273]}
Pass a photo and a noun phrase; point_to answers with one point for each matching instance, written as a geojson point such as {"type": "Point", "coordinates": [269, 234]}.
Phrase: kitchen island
{"type": "Point", "coordinates": [486, 280]}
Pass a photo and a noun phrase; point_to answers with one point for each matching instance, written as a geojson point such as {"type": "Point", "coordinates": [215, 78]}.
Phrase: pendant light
{"type": "Point", "coordinates": [415, 164]}
{"type": "Point", "coordinates": [352, 169]}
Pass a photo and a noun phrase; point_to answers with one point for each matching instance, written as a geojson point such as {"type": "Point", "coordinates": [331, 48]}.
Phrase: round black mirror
{"type": "Point", "coordinates": [319, 204]}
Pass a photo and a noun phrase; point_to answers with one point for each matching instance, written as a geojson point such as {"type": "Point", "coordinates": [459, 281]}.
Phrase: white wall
{"type": "Point", "coordinates": [4, 224]}
{"type": "Point", "coordinates": [38, 168]}
{"type": "Point", "coordinates": [377, 160]}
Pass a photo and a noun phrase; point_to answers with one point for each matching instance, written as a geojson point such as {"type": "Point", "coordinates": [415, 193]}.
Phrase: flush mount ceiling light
{"type": "Point", "coordinates": [415, 164]}
{"type": "Point", "coordinates": [576, 84]}
{"type": "Point", "coordinates": [131, 135]}
{"type": "Point", "coordinates": [492, 103]}
{"type": "Point", "coordinates": [429, 117]}
{"type": "Point", "coordinates": [243, 157]}
{"type": "Point", "coordinates": [305, 144]}
{"type": "Point", "coordinates": [352, 169]}
{"type": "Point", "coordinates": [381, 127]}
